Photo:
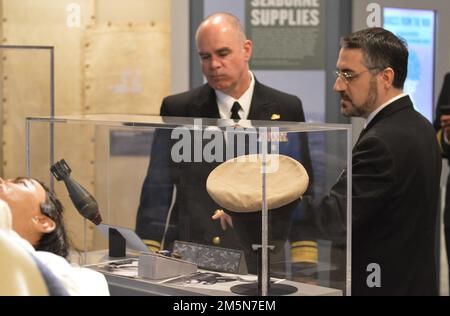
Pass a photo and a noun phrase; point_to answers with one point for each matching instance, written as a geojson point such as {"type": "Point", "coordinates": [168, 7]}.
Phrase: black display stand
{"type": "Point", "coordinates": [117, 244]}
{"type": "Point", "coordinates": [255, 288]}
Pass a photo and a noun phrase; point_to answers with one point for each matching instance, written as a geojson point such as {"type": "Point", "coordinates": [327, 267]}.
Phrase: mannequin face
{"type": "Point", "coordinates": [24, 196]}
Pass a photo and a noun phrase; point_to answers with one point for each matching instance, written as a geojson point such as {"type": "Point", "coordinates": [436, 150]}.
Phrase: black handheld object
{"type": "Point", "coordinates": [84, 202]}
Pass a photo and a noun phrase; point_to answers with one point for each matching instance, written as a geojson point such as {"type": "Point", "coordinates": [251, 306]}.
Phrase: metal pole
{"type": "Point", "coordinates": [264, 220]}
{"type": "Point", "coordinates": [349, 210]}
{"type": "Point", "coordinates": [27, 147]}
{"type": "Point", "coordinates": [52, 113]}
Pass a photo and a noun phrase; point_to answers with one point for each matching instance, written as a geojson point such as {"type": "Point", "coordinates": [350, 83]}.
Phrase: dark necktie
{"type": "Point", "coordinates": [235, 111]}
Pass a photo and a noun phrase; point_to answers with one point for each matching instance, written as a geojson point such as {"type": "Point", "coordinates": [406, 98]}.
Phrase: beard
{"type": "Point", "coordinates": [350, 109]}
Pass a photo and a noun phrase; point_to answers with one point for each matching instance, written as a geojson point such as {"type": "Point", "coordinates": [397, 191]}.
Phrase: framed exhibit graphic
{"type": "Point", "coordinates": [418, 29]}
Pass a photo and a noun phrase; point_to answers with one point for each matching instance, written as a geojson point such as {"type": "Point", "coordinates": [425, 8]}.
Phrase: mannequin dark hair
{"type": "Point", "coordinates": [57, 240]}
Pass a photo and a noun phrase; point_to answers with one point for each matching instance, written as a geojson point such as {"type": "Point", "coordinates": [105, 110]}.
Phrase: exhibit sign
{"type": "Point", "coordinates": [417, 28]}
{"type": "Point", "coordinates": [286, 34]}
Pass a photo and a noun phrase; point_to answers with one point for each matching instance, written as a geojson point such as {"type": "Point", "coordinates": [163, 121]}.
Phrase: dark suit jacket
{"type": "Point", "coordinates": [396, 169]}
{"type": "Point", "coordinates": [444, 99]}
{"type": "Point", "coordinates": [191, 216]}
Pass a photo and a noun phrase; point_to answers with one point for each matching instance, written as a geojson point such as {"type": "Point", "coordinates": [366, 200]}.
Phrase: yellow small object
{"type": "Point", "coordinates": [152, 245]}
{"type": "Point", "coordinates": [304, 251]}
{"type": "Point", "coordinates": [275, 117]}
{"type": "Point", "coordinates": [439, 140]}
{"type": "Point", "coordinates": [216, 240]}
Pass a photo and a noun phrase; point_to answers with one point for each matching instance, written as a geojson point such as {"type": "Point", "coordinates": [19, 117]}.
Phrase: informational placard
{"type": "Point", "coordinates": [417, 28]}
{"type": "Point", "coordinates": [286, 34]}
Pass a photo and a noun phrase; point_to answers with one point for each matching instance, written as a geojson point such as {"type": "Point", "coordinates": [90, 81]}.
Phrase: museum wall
{"type": "Point", "coordinates": [109, 56]}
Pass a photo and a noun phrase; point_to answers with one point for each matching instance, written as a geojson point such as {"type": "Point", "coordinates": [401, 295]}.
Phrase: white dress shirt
{"type": "Point", "coordinates": [225, 102]}
{"type": "Point", "coordinates": [374, 113]}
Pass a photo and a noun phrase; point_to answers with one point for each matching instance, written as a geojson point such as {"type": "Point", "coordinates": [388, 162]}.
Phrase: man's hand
{"type": "Point", "coordinates": [445, 124]}
{"type": "Point", "coordinates": [225, 219]}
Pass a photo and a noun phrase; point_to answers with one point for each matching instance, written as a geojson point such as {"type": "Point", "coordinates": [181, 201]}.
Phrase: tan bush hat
{"type": "Point", "coordinates": [236, 184]}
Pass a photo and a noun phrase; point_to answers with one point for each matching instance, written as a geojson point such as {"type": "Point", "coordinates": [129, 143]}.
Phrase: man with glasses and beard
{"type": "Point", "coordinates": [396, 167]}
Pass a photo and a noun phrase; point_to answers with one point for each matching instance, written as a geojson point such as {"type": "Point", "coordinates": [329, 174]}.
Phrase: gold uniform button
{"type": "Point", "coordinates": [216, 240]}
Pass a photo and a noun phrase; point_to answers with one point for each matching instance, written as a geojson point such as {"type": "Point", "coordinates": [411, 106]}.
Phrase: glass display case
{"type": "Point", "coordinates": [246, 199]}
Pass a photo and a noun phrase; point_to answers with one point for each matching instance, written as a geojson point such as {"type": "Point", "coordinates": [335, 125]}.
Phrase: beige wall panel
{"type": "Point", "coordinates": [27, 89]}
{"type": "Point", "coordinates": [1, 89]}
{"type": "Point", "coordinates": [157, 11]}
{"type": "Point", "coordinates": [118, 185]}
{"type": "Point", "coordinates": [128, 58]}
{"type": "Point", "coordinates": [127, 68]}
{"type": "Point", "coordinates": [126, 181]}
{"type": "Point", "coordinates": [47, 22]}
{"type": "Point", "coordinates": [129, 180]}
{"type": "Point", "coordinates": [139, 34]}
{"type": "Point", "coordinates": [26, 86]}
